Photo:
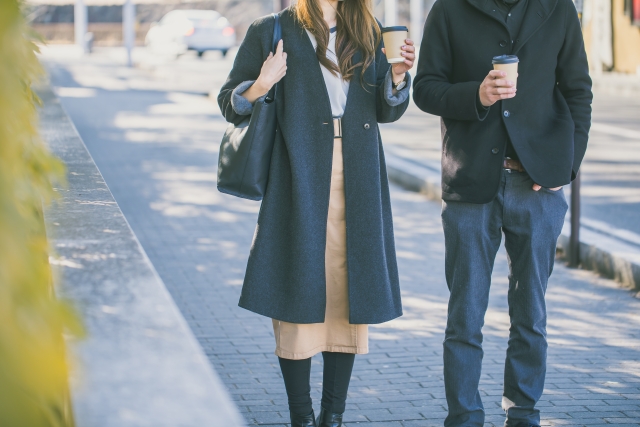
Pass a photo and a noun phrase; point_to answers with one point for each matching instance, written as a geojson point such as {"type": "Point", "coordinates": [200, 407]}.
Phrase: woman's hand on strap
{"type": "Point", "coordinates": [273, 70]}
{"type": "Point", "coordinates": [399, 69]}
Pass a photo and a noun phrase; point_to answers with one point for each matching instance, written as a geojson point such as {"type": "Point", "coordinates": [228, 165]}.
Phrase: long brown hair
{"type": "Point", "coordinates": [357, 30]}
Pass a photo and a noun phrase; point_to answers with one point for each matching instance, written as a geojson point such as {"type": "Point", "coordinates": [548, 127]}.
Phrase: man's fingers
{"type": "Point", "coordinates": [500, 83]}
{"type": "Point", "coordinates": [496, 74]}
{"type": "Point", "coordinates": [501, 90]}
{"type": "Point", "coordinates": [537, 187]}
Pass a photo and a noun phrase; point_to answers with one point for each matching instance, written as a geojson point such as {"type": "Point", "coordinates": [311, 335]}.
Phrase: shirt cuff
{"type": "Point", "coordinates": [240, 104]}
{"type": "Point", "coordinates": [401, 96]}
{"type": "Point", "coordinates": [481, 109]}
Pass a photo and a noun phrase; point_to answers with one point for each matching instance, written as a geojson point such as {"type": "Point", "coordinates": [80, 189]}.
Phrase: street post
{"type": "Point", "coordinates": [417, 21]}
{"type": "Point", "coordinates": [574, 238]}
{"type": "Point", "coordinates": [390, 13]}
{"type": "Point", "coordinates": [80, 24]}
{"type": "Point", "coordinates": [128, 29]}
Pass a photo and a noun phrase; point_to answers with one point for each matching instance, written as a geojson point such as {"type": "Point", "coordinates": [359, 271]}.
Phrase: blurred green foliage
{"type": "Point", "coordinates": [33, 363]}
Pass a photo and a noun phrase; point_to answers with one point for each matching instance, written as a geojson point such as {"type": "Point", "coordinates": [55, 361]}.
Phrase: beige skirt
{"type": "Point", "coordinates": [301, 341]}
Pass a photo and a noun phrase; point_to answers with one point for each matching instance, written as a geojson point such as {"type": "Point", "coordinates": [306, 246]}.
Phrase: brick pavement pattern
{"type": "Point", "coordinates": [157, 150]}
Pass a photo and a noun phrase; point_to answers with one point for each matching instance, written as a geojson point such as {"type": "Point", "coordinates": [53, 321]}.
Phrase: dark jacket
{"type": "Point", "coordinates": [548, 120]}
{"type": "Point", "coordinates": [285, 277]}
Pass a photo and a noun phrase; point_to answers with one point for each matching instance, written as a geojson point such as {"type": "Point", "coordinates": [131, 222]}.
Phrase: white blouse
{"type": "Point", "coordinates": [337, 88]}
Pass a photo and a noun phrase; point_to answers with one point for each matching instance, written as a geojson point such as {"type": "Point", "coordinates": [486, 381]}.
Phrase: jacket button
{"type": "Point", "coordinates": [503, 43]}
{"type": "Point", "coordinates": [366, 126]}
{"type": "Point", "coordinates": [506, 113]}
{"type": "Point", "coordinates": [495, 150]}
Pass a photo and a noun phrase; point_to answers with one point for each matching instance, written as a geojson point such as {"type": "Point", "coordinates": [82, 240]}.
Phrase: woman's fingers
{"type": "Point", "coordinates": [409, 47]}
{"type": "Point", "coordinates": [280, 47]}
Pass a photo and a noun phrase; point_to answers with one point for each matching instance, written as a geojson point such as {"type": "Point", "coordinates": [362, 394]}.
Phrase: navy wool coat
{"type": "Point", "coordinates": [285, 277]}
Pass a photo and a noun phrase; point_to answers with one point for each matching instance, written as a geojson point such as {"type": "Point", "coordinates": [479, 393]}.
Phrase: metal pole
{"type": "Point", "coordinates": [417, 20]}
{"type": "Point", "coordinates": [390, 12]}
{"type": "Point", "coordinates": [128, 29]}
{"type": "Point", "coordinates": [80, 24]}
{"type": "Point", "coordinates": [574, 238]}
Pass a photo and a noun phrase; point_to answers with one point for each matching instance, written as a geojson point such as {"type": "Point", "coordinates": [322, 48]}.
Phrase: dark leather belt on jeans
{"type": "Point", "coordinates": [512, 165]}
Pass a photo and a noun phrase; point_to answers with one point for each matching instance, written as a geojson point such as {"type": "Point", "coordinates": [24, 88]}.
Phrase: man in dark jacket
{"type": "Point", "coordinates": [506, 154]}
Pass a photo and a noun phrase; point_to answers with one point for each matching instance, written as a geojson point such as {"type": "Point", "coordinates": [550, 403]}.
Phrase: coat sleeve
{"type": "Point", "coordinates": [389, 106]}
{"type": "Point", "coordinates": [433, 91]}
{"type": "Point", "coordinates": [246, 69]}
{"type": "Point", "coordinates": [572, 76]}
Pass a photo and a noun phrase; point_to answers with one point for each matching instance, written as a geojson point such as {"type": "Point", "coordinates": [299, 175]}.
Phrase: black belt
{"type": "Point", "coordinates": [337, 127]}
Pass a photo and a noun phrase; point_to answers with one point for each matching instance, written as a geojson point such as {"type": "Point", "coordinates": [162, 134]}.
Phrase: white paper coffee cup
{"type": "Point", "coordinates": [394, 38]}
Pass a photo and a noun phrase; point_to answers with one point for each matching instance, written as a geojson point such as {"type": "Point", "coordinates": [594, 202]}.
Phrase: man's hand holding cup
{"type": "Point", "coordinates": [496, 87]}
{"type": "Point", "coordinates": [501, 83]}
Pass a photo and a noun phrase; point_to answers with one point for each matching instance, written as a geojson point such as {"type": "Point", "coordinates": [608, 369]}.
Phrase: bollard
{"type": "Point", "coordinates": [574, 238]}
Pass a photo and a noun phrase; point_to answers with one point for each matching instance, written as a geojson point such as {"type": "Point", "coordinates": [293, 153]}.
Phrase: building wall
{"type": "Point", "coordinates": [626, 41]}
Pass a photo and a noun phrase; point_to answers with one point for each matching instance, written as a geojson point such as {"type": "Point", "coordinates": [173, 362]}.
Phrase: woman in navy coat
{"type": "Point", "coordinates": [322, 263]}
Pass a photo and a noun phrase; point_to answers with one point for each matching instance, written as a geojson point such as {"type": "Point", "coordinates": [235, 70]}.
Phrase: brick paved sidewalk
{"type": "Point", "coordinates": [157, 152]}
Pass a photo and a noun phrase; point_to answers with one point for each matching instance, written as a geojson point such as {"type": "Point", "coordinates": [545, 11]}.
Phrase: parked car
{"type": "Point", "coordinates": [199, 30]}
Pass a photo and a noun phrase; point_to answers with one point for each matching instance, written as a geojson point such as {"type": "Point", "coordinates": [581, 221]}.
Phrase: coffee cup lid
{"type": "Point", "coordinates": [505, 59]}
{"type": "Point", "coordinates": [396, 28]}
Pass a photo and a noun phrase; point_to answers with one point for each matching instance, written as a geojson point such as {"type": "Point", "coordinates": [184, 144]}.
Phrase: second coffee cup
{"type": "Point", "coordinates": [394, 38]}
{"type": "Point", "coordinates": [508, 64]}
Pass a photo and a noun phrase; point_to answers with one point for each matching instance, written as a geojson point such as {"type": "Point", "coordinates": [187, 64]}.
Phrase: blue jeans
{"type": "Point", "coordinates": [531, 222]}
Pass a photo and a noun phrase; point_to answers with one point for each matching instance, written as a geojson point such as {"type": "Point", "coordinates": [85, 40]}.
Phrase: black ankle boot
{"type": "Point", "coordinates": [329, 419]}
{"type": "Point", "coordinates": [303, 421]}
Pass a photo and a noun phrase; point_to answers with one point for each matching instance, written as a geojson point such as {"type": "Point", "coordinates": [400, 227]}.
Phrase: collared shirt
{"type": "Point", "coordinates": [337, 88]}
{"type": "Point", "coordinates": [512, 15]}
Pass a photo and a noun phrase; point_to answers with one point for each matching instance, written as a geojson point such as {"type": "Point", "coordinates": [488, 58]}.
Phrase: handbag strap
{"type": "Point", "coordinates": [277, 36]}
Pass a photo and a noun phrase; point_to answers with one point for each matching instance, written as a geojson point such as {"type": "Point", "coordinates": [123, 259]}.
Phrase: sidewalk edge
{"type": "Point", "coordinates": [140, 363]}
{"type": "Point", "coordinates": [610, 264]}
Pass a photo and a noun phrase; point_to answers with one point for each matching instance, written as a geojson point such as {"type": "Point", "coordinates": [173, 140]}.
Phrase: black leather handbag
{"type": "Point", "coordinates": [245, 151]}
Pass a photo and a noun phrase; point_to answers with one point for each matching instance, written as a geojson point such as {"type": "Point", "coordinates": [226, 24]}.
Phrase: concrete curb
{"type": "Point", "coordinates": [601, 253]}
{"type": "Point", "coordinates": [140, 364]}
{"type": "Point", "coordinates": [617, 84]}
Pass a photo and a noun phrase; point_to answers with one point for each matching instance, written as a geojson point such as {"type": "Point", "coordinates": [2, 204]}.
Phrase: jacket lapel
{"type": "Point", "coordinates": [538, 11]}
{"type": "Point", "coordinates": [308, 60]}
{"type": "Point", "coordinates": [354, 84]}
{"type": "Point", "coordinates": [487, 7]}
